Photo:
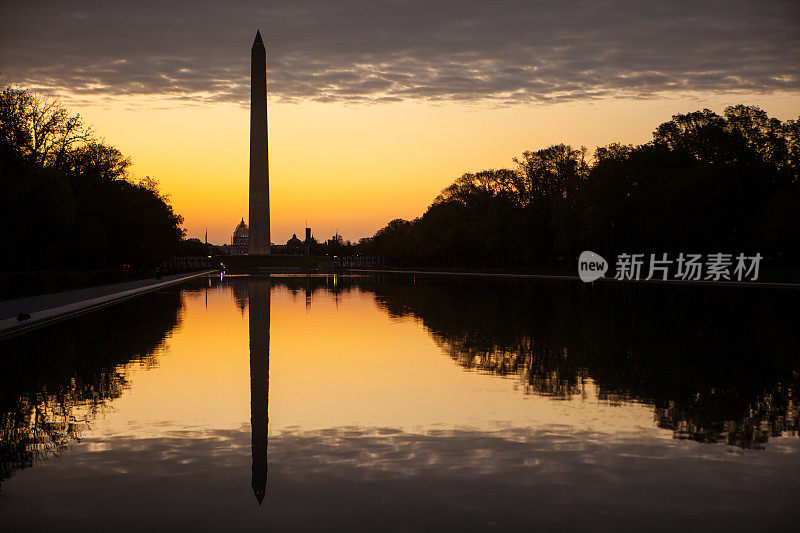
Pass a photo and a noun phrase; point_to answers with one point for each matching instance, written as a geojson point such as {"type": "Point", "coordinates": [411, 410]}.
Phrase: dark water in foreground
{"type": "Point", "coordinates": [400, 403]}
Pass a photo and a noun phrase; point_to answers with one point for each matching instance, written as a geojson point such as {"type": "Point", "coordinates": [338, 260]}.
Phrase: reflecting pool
{"type": "Point", "coordinates": [403, 402]}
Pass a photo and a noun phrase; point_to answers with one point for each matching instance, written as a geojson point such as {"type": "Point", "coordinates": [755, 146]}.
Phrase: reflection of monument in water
{"type": "Point", "coordinates": [258, 307]}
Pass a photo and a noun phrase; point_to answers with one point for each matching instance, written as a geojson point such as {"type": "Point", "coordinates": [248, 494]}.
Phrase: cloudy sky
{"type": "Point", "coordinates": [505, 75]}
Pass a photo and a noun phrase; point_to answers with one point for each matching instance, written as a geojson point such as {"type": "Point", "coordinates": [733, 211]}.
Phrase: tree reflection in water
{"type": "Point", "coordinates": [56, 381]}
{"type": "Point", "coordinates": [719, 365]}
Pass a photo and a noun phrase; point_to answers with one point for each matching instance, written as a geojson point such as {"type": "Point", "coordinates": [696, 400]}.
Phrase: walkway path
{"type": "Point", "coordinates": [48, 308]}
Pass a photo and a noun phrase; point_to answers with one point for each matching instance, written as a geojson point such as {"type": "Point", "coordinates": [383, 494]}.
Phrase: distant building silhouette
{"type": "Point", "coordinates": [294, 246]}
{"type": "Point", "coordinates": [308, 242]}
{"type": "Point", "coordinates": [240, 240]}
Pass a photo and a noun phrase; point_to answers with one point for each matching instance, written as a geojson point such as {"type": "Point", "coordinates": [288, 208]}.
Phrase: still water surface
{"type": "Point", "coordinates": [394, 403]}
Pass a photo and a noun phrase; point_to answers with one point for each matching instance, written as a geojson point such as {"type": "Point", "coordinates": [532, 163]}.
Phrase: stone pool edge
{"type": "Point", "coordinates": [41, 317]}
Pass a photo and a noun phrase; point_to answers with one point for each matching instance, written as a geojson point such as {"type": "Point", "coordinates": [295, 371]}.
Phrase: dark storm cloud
{"type": "Point", "coordinates": [366, 50]}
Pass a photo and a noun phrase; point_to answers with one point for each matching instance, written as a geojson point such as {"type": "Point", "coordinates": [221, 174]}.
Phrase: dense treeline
{"type": "Point", "coordinates": [67, 200]}
{"type": "Point", "coordinates": [706, 183]}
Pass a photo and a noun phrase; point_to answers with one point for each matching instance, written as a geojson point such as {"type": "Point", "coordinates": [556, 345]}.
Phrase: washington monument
{"type": "Point", "coordinates": [259, 161]}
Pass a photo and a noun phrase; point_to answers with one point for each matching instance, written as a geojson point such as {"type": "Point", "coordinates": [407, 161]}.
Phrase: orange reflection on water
{"type": "Point", "coordinates": [342, 361]}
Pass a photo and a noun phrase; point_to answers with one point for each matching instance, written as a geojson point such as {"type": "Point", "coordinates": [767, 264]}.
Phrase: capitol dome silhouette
{"type": "Point", "coordinates": [241, 233]}
{"type": "Point", "coordinates": [240, 240]}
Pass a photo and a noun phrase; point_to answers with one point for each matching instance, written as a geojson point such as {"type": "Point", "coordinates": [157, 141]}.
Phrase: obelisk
{"type": "Point", "coordinates": [259, 162]}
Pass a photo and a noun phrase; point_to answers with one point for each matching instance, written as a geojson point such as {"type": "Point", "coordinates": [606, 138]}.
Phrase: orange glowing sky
{"type": "Point", "coordinates": [355, 167]}
{"type": "Point", "coordinates": [374, 108]}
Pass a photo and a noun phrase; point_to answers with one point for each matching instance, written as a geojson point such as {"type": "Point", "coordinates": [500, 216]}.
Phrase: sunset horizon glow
{"type": "Point", "coordinates": [357, 181]}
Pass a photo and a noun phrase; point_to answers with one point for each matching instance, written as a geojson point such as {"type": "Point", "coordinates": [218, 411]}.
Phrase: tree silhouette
{"type": "Point", "coordinates": [68, 201]}
{"type": "Point", "coordinates": [704, 183]}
